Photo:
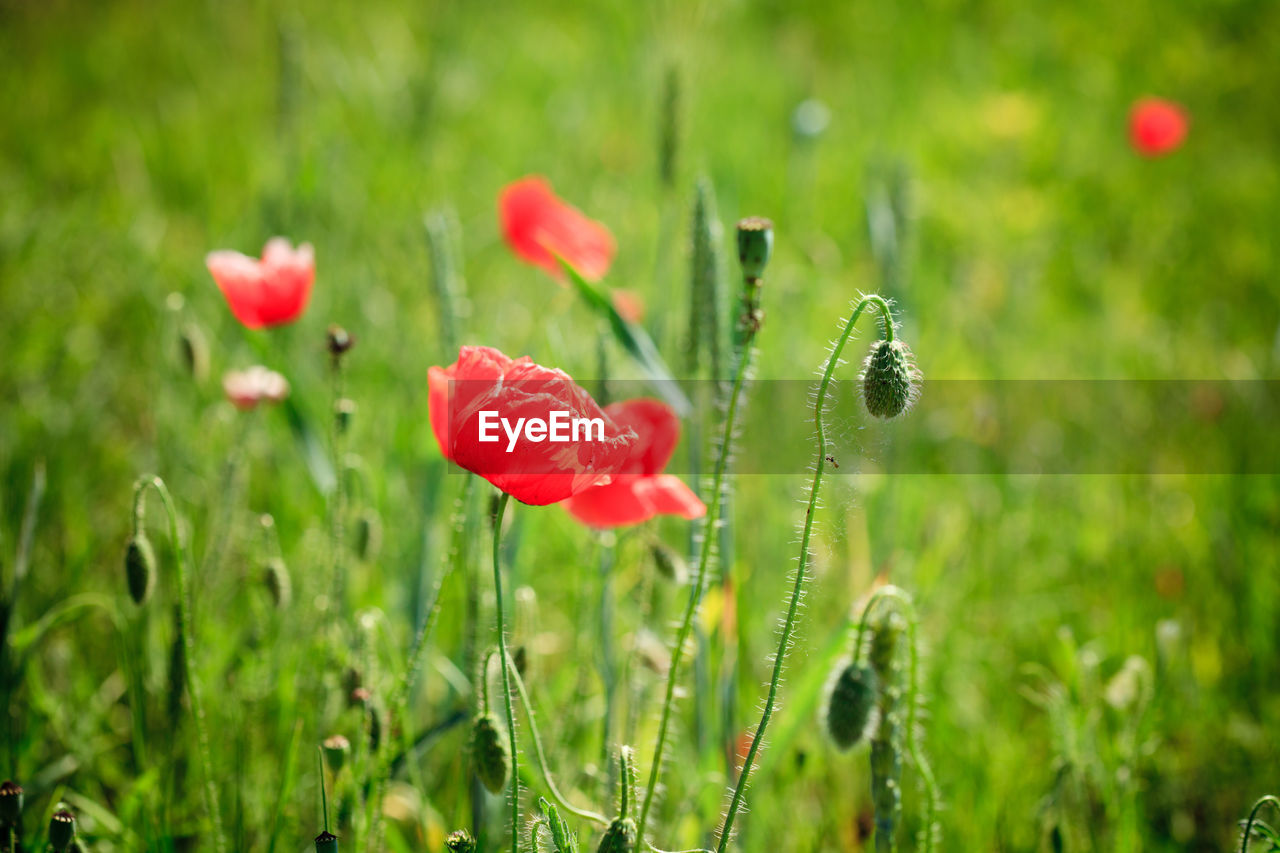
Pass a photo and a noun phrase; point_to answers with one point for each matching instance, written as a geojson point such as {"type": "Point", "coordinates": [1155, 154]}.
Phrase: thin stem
{"type": "Point", "coordinates": [541, 755]}
{"type": "Point", "coordinates": [784, 641]}
{"type": "Point", "coordinates": [700, 577]}
{"type": "Point", "coordinates": [1253, 815]}
{"type": "Point", "coordinates": [604, 654]}
{"type": "Point", "coordinates": [324, 796]}
{"type": "Point", "coordinates": [506, 676]}
{"type": "Point", "coordinates": [187, 643]}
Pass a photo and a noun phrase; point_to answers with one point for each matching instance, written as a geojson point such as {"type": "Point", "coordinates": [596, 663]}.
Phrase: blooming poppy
{"type": "Point", "coordinates": [1157, 126]}
{"type": "Point", "coordinates": [517, 424]}
{"type": "Point", "coordinates": [539, 227]}
{"type": "Point", "coordinates": [267, 292]}
{"type": "Point", "coordinates": [640, 491]}
{"type": "Point", "coordinates": [247, 388]}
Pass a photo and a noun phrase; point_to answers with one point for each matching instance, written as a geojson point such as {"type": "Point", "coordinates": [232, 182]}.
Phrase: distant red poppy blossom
{"type": "Point", "coordinates": [539, 226]}
{"type": "Point", "coordinates": [1157, 126]}
{"type": "Point", "coordinates": [268, 292]}
{"type": "Point", "coordinates": [247, 388]}
{"type": "Point", "coordinates": [629, 305]}
{"type": "Point", "coordinates": [640, 491]}
{"type": "Point", "coordinates": [485, 409]}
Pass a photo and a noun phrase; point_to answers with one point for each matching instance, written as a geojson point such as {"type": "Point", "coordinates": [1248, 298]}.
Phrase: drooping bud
{"type": "Point", "coordinates": [11, 797]}
{"type": "Point", "coordinates": [755, 245]}
{"type": "Point", "coordinates": [851, 705]}
{"type": "Point", "coordinates": [140, 567]}
{"type": "Point", "coordinates": [460, 841]}
{"type": "Point", "coordinates": [62, 830]}
{"type": "Point", "coordinates": [490, 753]}
{"type": "Point", "coordinates": [326, 842]}
{"type": "Point", "coordinates": [336, 748]}
{"type": "Point", "coordinates": [890, 379]}
{"type": "Point", "coordinates": [275, 576]}
{"type": "Point", "coordinates": [669, 563]}
{"type": "Point", "coordinates": [620, 837]}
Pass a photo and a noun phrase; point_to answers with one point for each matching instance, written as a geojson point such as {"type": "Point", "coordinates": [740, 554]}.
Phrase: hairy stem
{"type": "Point", "coordinates": [1253, 815]}
{"type": "Point", "coordinates": [506, 673]}
{"type": "Point", "coordinates": [788, 626]}
{"type": "Point", "coordinates": [187, 643]}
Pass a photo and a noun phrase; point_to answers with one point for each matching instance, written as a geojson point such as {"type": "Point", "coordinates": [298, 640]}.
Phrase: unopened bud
{"type": "Point", "coordinates": [62, 830]}
{"type": "Point", "coordinates": [140, 568]}
{"type": "Point", "coordinates": [755, 245]}
{"type": "Point", "coordinates": [335, 752]}
{"type": "Point", "coordinates": [490, 753]}
{"type": "Point", "coordinates": [193, 348]}
{"type": "Point", "coordinates": [368, 535]}
{"type": "Point", "coordinates": [851, 705]}
{"type": "Point", "coordinates": [890, 379]}
{"type": "Point", "coordinates": [620, 837]}
{"type": "Point", "coordinates": [460, 841]}
{"type": "Point", "coordinates": [275, 576]}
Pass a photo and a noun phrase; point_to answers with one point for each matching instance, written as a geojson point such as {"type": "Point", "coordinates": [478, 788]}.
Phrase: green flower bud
{"type": "Point", "coordinates": [460, 841]}
{"type": "Point", "coordinates": [140, 568]}
{"type": "Point", "coordinates": [336, 748]}
{"type": "Point", "coordinates": [11, 798]}
{"type": "Point", "coordinates": [550, 833]}
{"type": "Point", "coordinates": [755, 245]}
{"type": "Point", "coordinates": [326, 842]}
{"type": "Point", "coordinates": [851, 705]}
{"type": "Point", "coordinates": [620, 837]}
{"type": "Point", "coordinates": [275, 577]}
{"type": "Point", "coordinates": [490, 753]}
{"type": "Point", "coordinates": [890, 379]}
{"type": "Point", "coordinates": [62, 830]}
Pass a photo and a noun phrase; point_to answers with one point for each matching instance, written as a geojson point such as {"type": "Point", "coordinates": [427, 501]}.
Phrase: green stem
{"type": "Point", "coordinates": [506, 674]}
{"type": "Point", "coordinates": [784, 641]}
{"type": "Point", "coordinates": [1253, 815]}
{"type": "Point", "coordinates": [187, 643]}
{"type": "Point", "coordinates": [700, 578]}
{"type": "Point", "coordinates": [541, 754]}
{"type": "Point", "coordinates": [337, 522]}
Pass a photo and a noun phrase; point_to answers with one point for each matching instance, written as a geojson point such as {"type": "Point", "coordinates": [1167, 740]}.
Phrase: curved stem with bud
{"type": "Point", "coordinates": [185, 640]}
{"type": "Point", "coordinates": [788, 626]}
{"type": "Point", "coordinates": [1270, 800]}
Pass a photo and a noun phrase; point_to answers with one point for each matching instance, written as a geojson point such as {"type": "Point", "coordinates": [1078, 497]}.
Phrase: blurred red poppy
{"type": "Point", "coordinates": [1157, 126]}
{"type": "Point", "coordinates": [247, 388]}
{"type": "Point", "coordinates": [267, 292]}
{"type": "Point", "coordinates": [539, 226]}
{"type": "Point", "coordinates": [640, 490]}
{"type": "Point", "coordinates": [485, 412]}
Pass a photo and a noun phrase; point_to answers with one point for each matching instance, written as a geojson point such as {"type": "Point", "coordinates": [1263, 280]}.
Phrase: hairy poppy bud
{"type": "Point", "coordinates": [62, 830]}
{"type": "Point", "coordinates": [460, 841]}
{"type": "Point", "coordinates": [755, 245]}
{"type": "Point", "coordinates": [11, 797]}
{"type": "Point", "coordinates": [336, 748]}
{"type": "Point", "coordinates": [851, 705]}
{"type": "Point", "coordinates": [326, 842]}
{"type": "Point", "coordinates": [275, 576]}
{"type": "Point", "coordinates": [620, 837]}
{"type": "Point", "coordinates": [890, 379]}
{"type": "Point", "coordinates": [669, 563]}
{"type": "Point", "coordinates": [140, 568]}
{"type": "Point", "coordinates": [490, 753]}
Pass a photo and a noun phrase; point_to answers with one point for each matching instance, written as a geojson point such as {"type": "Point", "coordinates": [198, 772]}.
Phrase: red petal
{"type": "Point", "coordinates": [669, 495]}
{"type": "Point", "coordinates": [539, 226]}
{"type": "Point", "coordinates": [1157, 126]}
{"type": "Point", "coordinates": [658, 429]}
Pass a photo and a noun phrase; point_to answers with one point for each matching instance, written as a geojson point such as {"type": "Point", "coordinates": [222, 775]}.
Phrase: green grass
{"type": "Point", "coordinates": [137, 137]}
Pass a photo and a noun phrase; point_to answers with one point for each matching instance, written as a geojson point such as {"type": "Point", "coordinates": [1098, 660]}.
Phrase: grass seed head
{"type": "Point", "coordinates": [890, 379]}
{"type": "Point", "coordinates": [140, 568]}
{"type": "Point", "coordinates": [490, 753]}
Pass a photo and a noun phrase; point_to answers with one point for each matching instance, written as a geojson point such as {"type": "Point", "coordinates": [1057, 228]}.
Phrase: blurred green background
{"type": "Point", "coordinates": [138, 136]}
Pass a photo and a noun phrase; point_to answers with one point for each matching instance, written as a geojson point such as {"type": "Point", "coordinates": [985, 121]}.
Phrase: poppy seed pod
{"type": "Point", "coordinates": [851, 705]}
{"type": "Point", "coordinates": [890, 379]}
{"type": "Point", "coordinates": [326, 842]}
{"type": "Point", "coordinates": [336, 748]}
{"type": "Point", "coordinates": [62, 830]}
{"type": "Point", "coordinates": [275, 576]}
{"type": "Point", "coordinates": [490, 753]}
{"type": "Point", "coordinates": [755, 245]}
{"type": "Point", "coordinates": [140, 568]}
{"type": "Point", "coordinates": [620, 837]}
{"type": "Point", "coordinates": [339, 341]}
{"type": "Point", "coordinates": [11, 797]}
{"type": "Point", "coordinates": [460, 841]}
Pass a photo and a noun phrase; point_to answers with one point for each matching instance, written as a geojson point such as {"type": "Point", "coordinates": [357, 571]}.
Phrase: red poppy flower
{"type": "Point", "coordinates": [539, 226]}
{"type": "Point", "coordinates": [529, 430]}
{"type": "Point", "coordinates": [267, 292]}
{"type": "Point", "coordinates": [640, 490]}
{"type": "Point", "coordinates": [1157, 126]}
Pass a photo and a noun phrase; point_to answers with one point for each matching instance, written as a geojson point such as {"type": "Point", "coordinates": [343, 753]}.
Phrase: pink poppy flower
{"type": "Point", "coordinates": [247, 388]}
{"type": "Point", "coordinates": [267, 292]}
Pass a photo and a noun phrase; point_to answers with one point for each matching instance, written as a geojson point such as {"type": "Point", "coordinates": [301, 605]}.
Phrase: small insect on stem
{"type": "Point", "coordinates": [834, 463]}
